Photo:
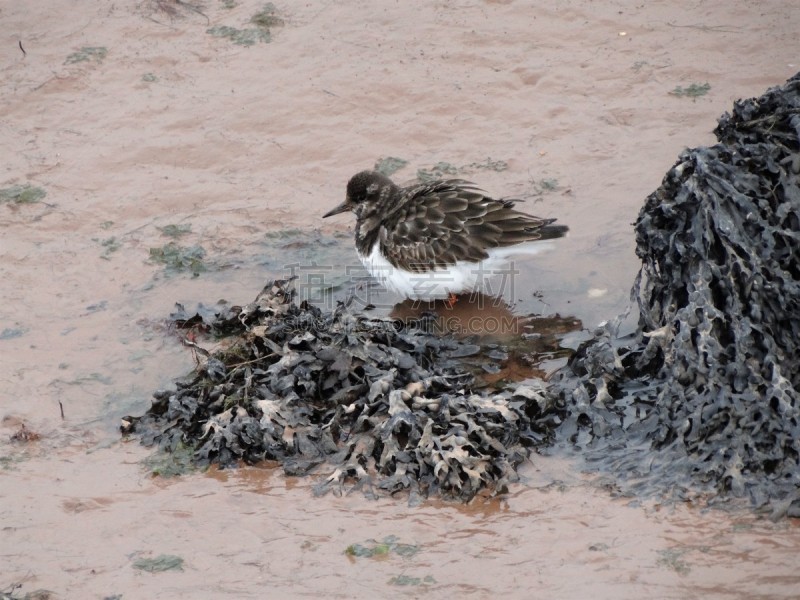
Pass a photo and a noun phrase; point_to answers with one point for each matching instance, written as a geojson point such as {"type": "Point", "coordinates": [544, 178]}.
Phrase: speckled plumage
{"type": "Point", "coordinates": [433, 239]}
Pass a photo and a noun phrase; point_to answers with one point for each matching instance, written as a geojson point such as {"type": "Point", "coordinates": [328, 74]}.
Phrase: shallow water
{"type": "Point", "coordinates": [176, 127]}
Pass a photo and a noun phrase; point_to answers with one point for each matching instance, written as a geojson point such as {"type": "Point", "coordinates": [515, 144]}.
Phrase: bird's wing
{"type": "Point", "coordinates": [439, 223]}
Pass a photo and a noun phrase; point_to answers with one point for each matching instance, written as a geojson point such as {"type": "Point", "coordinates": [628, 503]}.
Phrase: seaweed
{"type": "Point", "coordinates": [9, 333]}
{"type": "Point", "coordinates": [390, 165]}
{"type": "Point", "coordinates": [22, 194]}
{"type": "Point", "coordinates": [704, 397]}
{"type": "Point", "coordinates": [110, 246]}
{"type": "Point", "coordinates": [404, 580]}
{"type": "Point", "coordinates": [10, 593]}
{"type": "Point", "coordinates": [180, 258]}
{"type": "Point", "coordinates": [241, 37]}
{"type": "Point", "coordinates": [440, 170]}
{"type": "Point", "coordinates": [87, 53]}
{"type": "Point", "coordinates": [264, 20]}
{"type": "Point", "coordinates": [389, 545]}
{"type": "Point", "coordinates": [174, 230]}
{"type": "Point", "coordinates": [266, 17]}
{"type": "Point", "coordinates": [368, 403]}
{"type": "Point", "coordinates": [443, 170]}
{"type": "Point", "coordinates": [694, 90]}
{"type": "Point", "coordinates": [159, 564]}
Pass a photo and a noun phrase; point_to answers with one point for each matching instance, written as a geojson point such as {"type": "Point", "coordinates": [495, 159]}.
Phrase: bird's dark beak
{"type": "Point", "coordinates": [343, 207]}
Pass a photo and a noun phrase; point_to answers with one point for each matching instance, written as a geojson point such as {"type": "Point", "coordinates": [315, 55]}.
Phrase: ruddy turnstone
{"type": "Point", "coordinates": [438, 239]}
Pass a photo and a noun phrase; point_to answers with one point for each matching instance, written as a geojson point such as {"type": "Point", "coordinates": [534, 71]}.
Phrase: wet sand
{"type": "Point", "coordinates": [173, 126]}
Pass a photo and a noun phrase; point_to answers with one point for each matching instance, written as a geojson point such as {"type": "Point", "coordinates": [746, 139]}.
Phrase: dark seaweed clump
{"type": "Point", "coordinates": [705, 395]}
{"type": "Point", "coordinates": [375, 404]}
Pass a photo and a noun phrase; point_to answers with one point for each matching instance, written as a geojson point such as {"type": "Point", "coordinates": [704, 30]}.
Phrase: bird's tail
{"type": "Point", "coordinates": [551, 232]}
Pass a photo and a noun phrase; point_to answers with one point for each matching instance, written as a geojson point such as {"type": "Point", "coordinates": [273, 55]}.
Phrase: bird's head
{"type": "Point", "coordinates": [367, 191]}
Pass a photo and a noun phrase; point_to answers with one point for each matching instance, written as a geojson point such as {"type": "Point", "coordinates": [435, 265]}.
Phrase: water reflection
{"type": "Point", "coordinates": [513, 346]}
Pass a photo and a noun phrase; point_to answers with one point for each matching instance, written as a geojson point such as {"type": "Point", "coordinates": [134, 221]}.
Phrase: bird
{"type": "Point", "coordinates": [437, 239]}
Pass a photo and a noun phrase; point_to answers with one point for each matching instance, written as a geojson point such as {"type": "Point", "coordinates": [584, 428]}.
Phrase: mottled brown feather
{"type": "Point", "coordinates": [425, 226]}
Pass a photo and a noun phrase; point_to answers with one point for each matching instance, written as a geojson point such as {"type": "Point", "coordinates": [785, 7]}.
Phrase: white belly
{"type": "Point", "coordinates": [462, 277]}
